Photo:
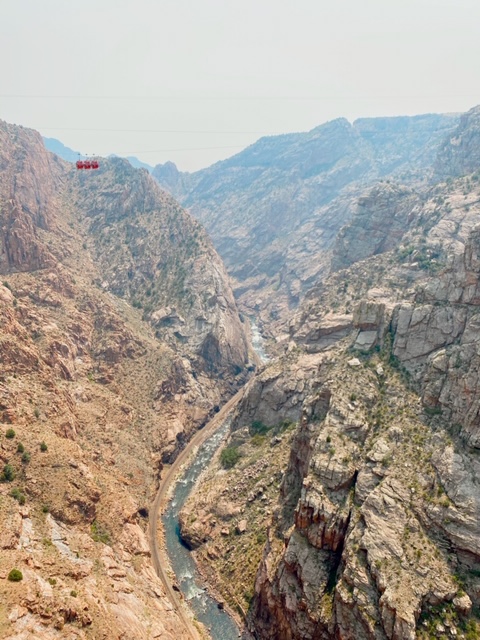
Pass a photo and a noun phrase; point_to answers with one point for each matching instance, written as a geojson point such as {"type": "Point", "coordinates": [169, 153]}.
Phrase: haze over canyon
{"type": "Point", "coordinates": [344, 503]}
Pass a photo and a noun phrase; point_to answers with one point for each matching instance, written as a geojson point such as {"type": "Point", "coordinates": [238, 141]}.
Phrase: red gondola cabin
{"type": "Point", "coordinates": [87, 164]}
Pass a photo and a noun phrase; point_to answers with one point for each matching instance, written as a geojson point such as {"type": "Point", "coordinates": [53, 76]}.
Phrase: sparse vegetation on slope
{"type": "Point", "coordinates": [91, 400]}
{"type": "Point", "coordinates": [373, 531]}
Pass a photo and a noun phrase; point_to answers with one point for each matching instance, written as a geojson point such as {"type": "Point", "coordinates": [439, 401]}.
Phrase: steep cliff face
{"type": "Point", "coordinates": [436, 338]}
{"type": "Point", "coordinates": [379, 507]}
{"type": "Point", "coordinates": [459, 154]}
{"type": "Point", "coordinates": [30, 179]}
{"type": "Point", "coordinates": [364, 513]}
{"type": "Point", "coordinates": [92, 396]}
{"type": "Point", "coordinates": [275, 209]}
{"type": "Point", "coordinates": [374, 530]}
{"type": "Point", "coordinates": [381, 220]}
{"type": "Point", "coordinates": [155, 255]}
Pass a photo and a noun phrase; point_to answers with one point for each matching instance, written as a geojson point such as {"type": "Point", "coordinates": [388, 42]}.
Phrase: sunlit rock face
{"type": "Point", "coordinates": [119, 335]}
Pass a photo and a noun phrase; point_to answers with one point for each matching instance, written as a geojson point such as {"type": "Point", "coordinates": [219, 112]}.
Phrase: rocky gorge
{"type": "Point", "coordinates": [274, 210]}
{"type": "Point", "coordinates": [345, 503]}
{"type": "Point", "coordinates": [354, 493]}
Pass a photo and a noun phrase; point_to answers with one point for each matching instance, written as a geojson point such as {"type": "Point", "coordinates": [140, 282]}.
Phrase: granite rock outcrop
{"type": "Point", "coordinates": [373, 531]}
{"type": "Point", "coordinates": [458, 155]}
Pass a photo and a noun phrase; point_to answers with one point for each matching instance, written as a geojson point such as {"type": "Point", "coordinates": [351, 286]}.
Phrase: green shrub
{"type": "Point", "coordinates": [20, 448]}
{"type": "Point", "coordinates": [261, 537]}
{"type": "Point", "coordinates": [433, 411]}
{"type": "Point", "coordinates": [15, 575]}
{"type": "Point", "coordinates": [229, 457]}
{"type": "Point", "coordinates": [258, 440]}
{"type": "Point", "coordinates": [36, 412]}
{"type": "Point", "coordinates": [10, 433]}
{"type": "Point", "coordinates": [259, 427]}
{"type": "Point", "coordinates": [43, 446]}
{"type": "Point", "coordinates": [45, 508]}
{"type": "Point", "coordinates": [99, 534]}
{"type": "Point", "coordinates": [18, 495]}
{"type": "Point", "coordinates": [8, 473]}
{"type": "Point", "coordinates": [284, 425]}
{"type": "Point", "coordinates": [26, 457]}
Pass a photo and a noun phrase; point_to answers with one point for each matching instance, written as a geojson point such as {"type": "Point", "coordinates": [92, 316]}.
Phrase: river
{"type": "Point", "coordinates": [258, 342]}
{"type": "Point", "coordinates": [220, 625]}
{"type": "Point", "coordinates": [217, 621]}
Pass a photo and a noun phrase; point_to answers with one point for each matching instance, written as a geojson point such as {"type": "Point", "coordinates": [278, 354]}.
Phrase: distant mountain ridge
{"type": "Point", "coordinates": [135, 162]}
{"type": "Point", "coordinates": [57, 147]}
{"type": "Point", "coordinates": [274, 209]}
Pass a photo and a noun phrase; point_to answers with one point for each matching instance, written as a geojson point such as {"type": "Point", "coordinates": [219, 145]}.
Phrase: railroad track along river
{"type": "Point", "coordinates": [159, 556]}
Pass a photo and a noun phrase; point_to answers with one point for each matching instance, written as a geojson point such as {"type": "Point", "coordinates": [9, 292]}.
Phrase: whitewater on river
{"type": "Point", "coordinates": [258, 342]}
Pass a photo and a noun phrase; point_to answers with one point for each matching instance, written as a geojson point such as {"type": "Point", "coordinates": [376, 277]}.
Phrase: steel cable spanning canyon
{"type": "Point", "coordinates": [159, 557]}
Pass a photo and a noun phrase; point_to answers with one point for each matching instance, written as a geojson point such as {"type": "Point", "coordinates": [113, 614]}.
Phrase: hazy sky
{"type": "Point", "coordinates": [195, 81]}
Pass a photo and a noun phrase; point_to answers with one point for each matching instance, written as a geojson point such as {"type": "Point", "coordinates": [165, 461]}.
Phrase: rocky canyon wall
{"type": "Point", "coordinates": [118, 337]}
